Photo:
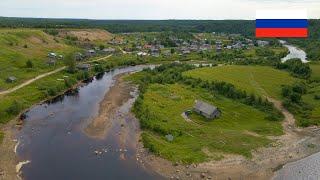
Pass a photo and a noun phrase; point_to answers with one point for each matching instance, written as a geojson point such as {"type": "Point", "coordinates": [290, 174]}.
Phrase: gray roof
{"type": "Point", "coordinates": [205, 107]}
{"type": "Point", "coordinates": [83, 66]}
{"type": "Point", "coordinates": [11, 78]}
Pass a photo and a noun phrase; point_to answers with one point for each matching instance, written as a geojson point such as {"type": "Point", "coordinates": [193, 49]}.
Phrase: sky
{"type": "Point", "coordinates": [151, 9]}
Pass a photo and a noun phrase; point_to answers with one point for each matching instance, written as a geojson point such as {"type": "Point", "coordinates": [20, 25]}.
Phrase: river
{"type": "Point", "coordinates": [294, 52]}
{"type": "Point", "coordinates": [54, 142]}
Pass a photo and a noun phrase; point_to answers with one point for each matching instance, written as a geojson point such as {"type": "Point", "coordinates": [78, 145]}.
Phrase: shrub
{"type": "Point", "coordinates": [317, 97]}
{"type": "Point", "coordinates": [69, 82]}
{"type": "Point", "coordinates": [15, 108]}
{"type": "Point", "coordinates": [52, 91]}
{"type": "Point", "coordinates": [98, 68]}
{"type": "Point", "coordinates": [29, 64]}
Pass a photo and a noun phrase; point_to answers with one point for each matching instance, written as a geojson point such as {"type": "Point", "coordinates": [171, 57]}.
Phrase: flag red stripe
{"type": "Point", "coordinates": [281, 32]}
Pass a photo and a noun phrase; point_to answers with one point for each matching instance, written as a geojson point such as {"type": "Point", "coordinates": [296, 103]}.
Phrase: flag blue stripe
{"type": "Point", "coordinates": [281, 23]}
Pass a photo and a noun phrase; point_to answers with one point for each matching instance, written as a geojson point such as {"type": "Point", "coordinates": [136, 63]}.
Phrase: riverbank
{"type": "Point", "coordinates": [9, 145]}
{"type": "Point", "coordinates": [117, 95]}
{"type": "Point", "coordinates": [8, 158]}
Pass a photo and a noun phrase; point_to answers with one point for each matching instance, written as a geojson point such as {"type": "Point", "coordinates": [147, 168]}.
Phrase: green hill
{"type": "Point", "coordinates": [261, 80]}
{"type": "Point", "coordinates": [17, 46]}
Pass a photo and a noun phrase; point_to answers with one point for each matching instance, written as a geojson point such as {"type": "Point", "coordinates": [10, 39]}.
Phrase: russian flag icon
{"type": "Point", "coordinates": [281, 23]}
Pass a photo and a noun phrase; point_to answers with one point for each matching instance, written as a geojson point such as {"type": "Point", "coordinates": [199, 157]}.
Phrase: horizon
{"type": "Point", "coordinates": [67, 18]}
{"type": "Point", "coordinates": [151, 10]}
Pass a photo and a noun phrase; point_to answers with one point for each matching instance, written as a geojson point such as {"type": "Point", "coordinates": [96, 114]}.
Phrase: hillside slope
{"type": "Point", "coordinates": [17, 46]}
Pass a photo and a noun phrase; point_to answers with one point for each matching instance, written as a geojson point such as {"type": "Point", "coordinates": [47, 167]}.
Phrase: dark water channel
{"type": "Point", "coordinates": [54, 142]}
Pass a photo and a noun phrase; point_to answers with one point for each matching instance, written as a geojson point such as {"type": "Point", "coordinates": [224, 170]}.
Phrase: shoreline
{"type": "Point", "coordinates": [8, 158]}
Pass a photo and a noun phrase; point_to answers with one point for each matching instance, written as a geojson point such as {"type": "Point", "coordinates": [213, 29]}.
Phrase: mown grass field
{"type": "Point", "coordinates": [20, 45]}
{"type": "Point", "coordinates": [261, 80]}
{"type": "Point", "coordinates": [239, 130]}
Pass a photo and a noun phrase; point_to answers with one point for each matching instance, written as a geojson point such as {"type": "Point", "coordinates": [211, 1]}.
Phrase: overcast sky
{"type": "Point", "coordinates": [151, 9]}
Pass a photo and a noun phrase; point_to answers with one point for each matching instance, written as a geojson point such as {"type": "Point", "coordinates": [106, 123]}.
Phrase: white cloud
{"type": "Point", "coordinates": [150, 9]}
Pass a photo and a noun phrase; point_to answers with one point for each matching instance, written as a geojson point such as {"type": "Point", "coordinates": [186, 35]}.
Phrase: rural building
{"type": "Point", "coordinates": [109, 50]}
{"type": "Point", "coordinates": [79, 56]}
{"type": "Point", "coordinates": [84, 67]}
{"type": "Point", "coordinates": [91, 52]}
{"type": "Point", "coordinates": [206, 110]}
{"type": "Point", "coordinates": [262, 43]}
{"type": "Point", "coordinates": [11, 79]}
{"type": "Point", "coordinates": [52, 55]}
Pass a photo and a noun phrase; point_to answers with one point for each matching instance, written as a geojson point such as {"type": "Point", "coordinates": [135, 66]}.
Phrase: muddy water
{"type": "Point", "coordinates": [294, 52]}
{"type": "Point", "coordinates": [54, 142]}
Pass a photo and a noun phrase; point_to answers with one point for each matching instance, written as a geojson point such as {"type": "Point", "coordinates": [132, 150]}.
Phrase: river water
{"type": "Point", "coordinates": [294, 52]}
{"type": "Point", "coordinates": [54, 142]}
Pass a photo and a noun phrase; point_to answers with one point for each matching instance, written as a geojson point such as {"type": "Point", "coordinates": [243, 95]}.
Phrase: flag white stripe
{"type": "Point", "coordinates": [281, 14]}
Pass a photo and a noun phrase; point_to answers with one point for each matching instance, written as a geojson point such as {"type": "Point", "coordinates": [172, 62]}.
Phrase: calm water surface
{"type": "Point", "coordinates": [53, 139]}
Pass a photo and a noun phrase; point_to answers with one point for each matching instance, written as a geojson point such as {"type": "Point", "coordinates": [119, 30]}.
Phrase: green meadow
{"type": "Point", "coordinates": [20, 45]}
{"type": "Point", "coordinates": [261, 80]}
{"type": "Point", "coordinates": [315, 71]}
{"type": "Point", "coordinates": [239, 130]}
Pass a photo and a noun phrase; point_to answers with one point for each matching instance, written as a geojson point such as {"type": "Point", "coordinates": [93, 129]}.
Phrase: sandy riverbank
{"type": "Point", "coordinates": [8, 159]}
{"type": "Point", "coordinates": [109, 106]}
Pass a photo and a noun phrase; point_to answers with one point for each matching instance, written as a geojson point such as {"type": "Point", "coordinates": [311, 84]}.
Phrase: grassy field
{"type": "Point", "coordinates": [315, 71]}
{"type": "Point", "coordinates": [239, 130]}
{"type": "Point", "coordinates": [261, 80]}
{"type": "Point", "coordinates": [20, 45]}
{"type": "Point", "coordinates": [309, 98]}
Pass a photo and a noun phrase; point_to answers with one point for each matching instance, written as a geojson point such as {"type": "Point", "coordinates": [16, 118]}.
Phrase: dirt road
{"type": "Point", "coordinates": [44, 75]}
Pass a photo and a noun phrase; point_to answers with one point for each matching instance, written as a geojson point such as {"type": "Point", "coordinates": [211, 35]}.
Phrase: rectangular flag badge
{"type": "Point", "coordinates": [281, 23]}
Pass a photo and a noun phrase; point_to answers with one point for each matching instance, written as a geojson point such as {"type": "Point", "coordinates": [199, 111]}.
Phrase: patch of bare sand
{"type": "Point", "coordinates": [114, 98]}
{"type": "Point", "coordinates": [8, 159]}
{"type": "Point", "coordinates": [87, 34]}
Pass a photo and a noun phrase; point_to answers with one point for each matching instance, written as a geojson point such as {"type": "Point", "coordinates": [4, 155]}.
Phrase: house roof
{"type": "Point", "coordinates": [205, 107]}
{"type": "Point", "coordinates": [12, 78]}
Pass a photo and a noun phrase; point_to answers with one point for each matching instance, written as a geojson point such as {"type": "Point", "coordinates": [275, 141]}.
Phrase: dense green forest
{"type": "Point", "coordinates": [245, 27]}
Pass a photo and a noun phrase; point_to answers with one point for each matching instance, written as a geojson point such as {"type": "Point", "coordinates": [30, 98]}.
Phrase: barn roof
{"type": "Point", "coordinates": [205, 107]}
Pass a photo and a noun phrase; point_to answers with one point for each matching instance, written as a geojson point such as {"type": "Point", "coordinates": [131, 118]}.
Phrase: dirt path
{"type": "Point", "coordinates": [42, 76]}
{"type": "Point", "coordinates": [31, 81]}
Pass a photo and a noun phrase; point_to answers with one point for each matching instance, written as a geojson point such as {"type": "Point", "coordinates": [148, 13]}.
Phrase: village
{"type": "Point", "coordinates": [144, 46]}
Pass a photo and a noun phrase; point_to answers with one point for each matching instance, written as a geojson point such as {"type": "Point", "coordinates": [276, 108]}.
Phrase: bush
{"type": "Point", "coordinates": [69, 82]}
{"type": "Point", "coordinates": [317, 97]}
{"type": "Point", "coordinates": [25, 46]}
{"type": "Point", "coordinates": [101, 47]}
{"type": "Point", "coordinates": [52, 91]}
{"type": "Point", "coordinates": [52, 32]}
{"type": "Point", "coordinates": [83, 75]}
{"type": "Point", "coordinates": [29, 64]}
{"type": "Point", "coordinates": [98, 68]}
{"type": "Point", "coordinates": [15, 108]}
